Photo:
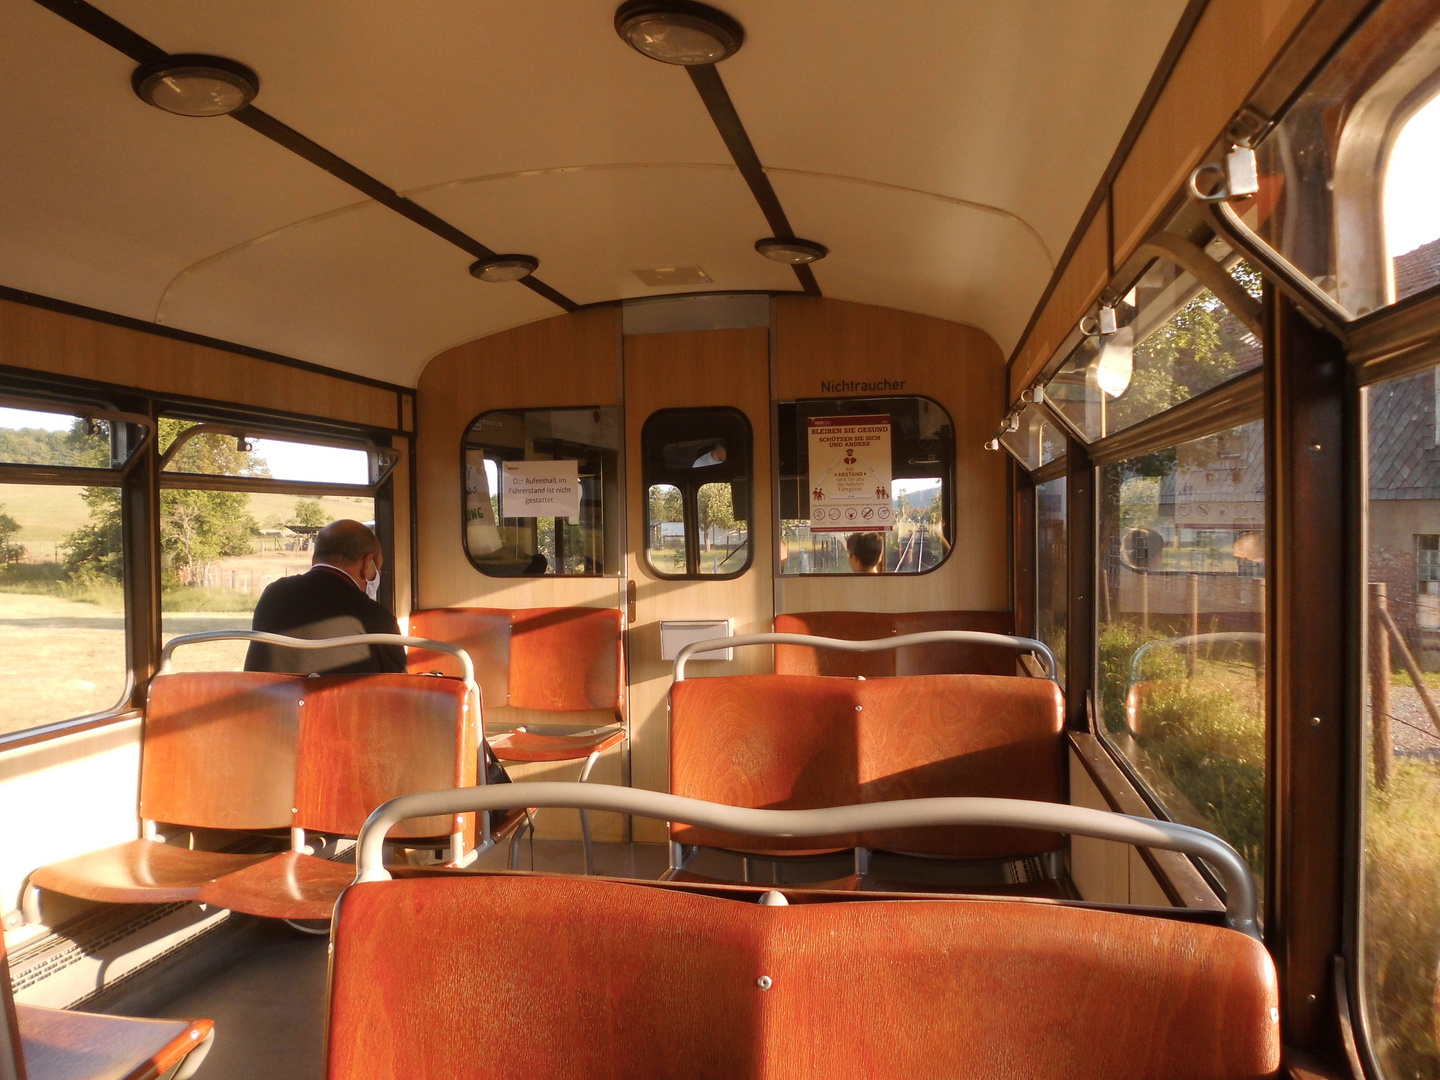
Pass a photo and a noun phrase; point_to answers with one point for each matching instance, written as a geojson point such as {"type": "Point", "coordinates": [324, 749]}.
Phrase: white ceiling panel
{"type": "Point", "coordinates": [362, 290]}
{"type": "Point", "coordinates": [1019, 105]}
{"type": "Point", "coordinates": [426, 91]}
{"type": "Point", "coordinates": [613, 221]}
{"type": "Point", "coordinates": [104, 199]}
{"type": "Point", "coordinates": [915, 253]}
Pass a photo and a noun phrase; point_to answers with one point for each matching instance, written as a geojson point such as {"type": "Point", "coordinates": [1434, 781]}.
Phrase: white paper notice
{"type": "Point", "coordinates": [850, 474]}
{"type": "Point", "coordinates": [540, 489]}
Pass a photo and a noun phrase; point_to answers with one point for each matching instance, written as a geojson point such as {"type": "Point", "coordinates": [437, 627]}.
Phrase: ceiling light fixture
{"type": "Point", "coordinates": [504, 267]}
{"type": "Point", "coordinates": [679, 31]}
{"type": "Point", "coordinates": [791, 250]}
{"type": "Point", "coordinates": [192, 84]}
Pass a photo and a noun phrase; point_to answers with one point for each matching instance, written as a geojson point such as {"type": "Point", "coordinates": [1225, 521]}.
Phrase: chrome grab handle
{"type": "Point", "coordinates": [931, 637]}
{"type": "Point", "coordinates": [1240, 895]}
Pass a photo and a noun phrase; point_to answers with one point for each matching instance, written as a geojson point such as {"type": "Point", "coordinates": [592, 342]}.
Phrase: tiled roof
{"type": "Point", "coordinates": [1417, 270]}
{"type": "Point", "coordinates": [1404, 460]}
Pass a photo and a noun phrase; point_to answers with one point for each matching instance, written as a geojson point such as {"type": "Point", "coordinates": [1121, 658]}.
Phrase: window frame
{"type": "Point", "coordinates": [690, 510]}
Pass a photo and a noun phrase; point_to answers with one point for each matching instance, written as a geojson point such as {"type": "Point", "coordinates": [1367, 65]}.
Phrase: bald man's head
{"type": "Point", "coordinates": [345, 542]}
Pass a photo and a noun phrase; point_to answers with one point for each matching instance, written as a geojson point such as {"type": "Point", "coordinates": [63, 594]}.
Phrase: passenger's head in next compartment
{"type": "Point", "coordinates": [867, 551]}
{"type": "Point", "coordinates": [350, 546]}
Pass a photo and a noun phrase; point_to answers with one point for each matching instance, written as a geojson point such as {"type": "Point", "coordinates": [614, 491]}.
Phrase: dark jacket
{"type": "Point", "coordinates": [322, 603]}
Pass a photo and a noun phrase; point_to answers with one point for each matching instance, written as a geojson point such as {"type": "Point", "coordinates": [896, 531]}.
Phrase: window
{"type": "Point", "coordinates": [1175, 340]}
{"type": "Point", "coordinates": [1052, 582]}
{"type": "Point", "coordinates": [1033, 437]}
{"type": "Point", "coordinates": [697, 479]}
{"type": "Point", "coordinates": [1427, 581]}
{"type": "Point", "coordinates": [1181, 614]}
{"type": "Point", "coordinates": [1400, 833]}
{"type": "Point", "coordinates": [856, 466]}
{"type": "Point", "coordinates": [1347, 177]}
{"type": "Point", "coordinates": [62, 567]}
{"type": "Point", "coordinates": [541, 492]}
{"type": "Point", "coordinates": [238, 512]}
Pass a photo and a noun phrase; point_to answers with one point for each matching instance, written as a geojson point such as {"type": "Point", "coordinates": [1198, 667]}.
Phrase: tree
{"type": "Point", "coordinates": [10, 552]}
{"type": "Point", "coordinates": [309, 513]}
{"type": "Point", "coordinates": [196, 527]}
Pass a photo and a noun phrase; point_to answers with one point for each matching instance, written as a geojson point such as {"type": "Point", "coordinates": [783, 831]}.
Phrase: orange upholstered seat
{"type": "Point", "coordinates": [949, 658]}
{"type": "Point", "coordinates": [607, 979]}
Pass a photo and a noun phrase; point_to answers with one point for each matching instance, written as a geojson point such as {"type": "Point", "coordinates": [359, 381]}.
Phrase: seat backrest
{"type": "Point", "coordinates": [365, 739]}
{"type": "Point", "coordinates": [932, 736]}
{"type": "Point", "coordinates": [783, 743]}
{"type": "Point", "coordinates": [567, 659]}
{"type": "Point", "coordinates": [220, 748]}
{"type": "Point", "coordinates": [913, 660]}
{"type": "Point", "coordinates": [804, 742]}
{"type": "Point", "coordinates": [484, 633]}
{"type": "Point", "coordinates": [563, 659]}
{"type": "Point", "coordinates": [607, 979]}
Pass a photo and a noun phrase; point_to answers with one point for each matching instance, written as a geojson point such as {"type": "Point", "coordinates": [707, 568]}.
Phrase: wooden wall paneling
{"type": "Point", "coordinates": [1230, 49]}
{"type": "Point", "coordinates": [64, 344]}
{"type": "Point", "coordinates": [1085, 277]}
{"type": "Point", "coordinates": [702, 368]}
{"type": "Point", "coordinates": [1100, 869]}
{"type": "Point", "coordinates": [569, 360]}
{"type": "Point", "coordinates": [961, 367]}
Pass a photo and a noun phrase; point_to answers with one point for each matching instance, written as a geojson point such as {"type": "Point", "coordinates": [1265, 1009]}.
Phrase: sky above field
{"type": "Point", "coordinates": [287, 460]}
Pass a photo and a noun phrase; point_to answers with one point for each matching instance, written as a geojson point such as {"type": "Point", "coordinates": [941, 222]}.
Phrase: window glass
{"type": "Point", "coordinates": [62, 608]}
{"type": "Point", "coordinates": [865, 485]}
{"type": "Point", "coordinates": [220, 548]}
{"type": "Point", "coordinates": [1176, 340]}
{"type": "Point", "coordinates": [1181, 543]}
{"type": "Point", "coordinates": [1036, 439]}
{"type": "Point", "coordinates": [33, 437]}
{"type": "Point", "coordinates": [1400, 911]}
{"type": "Point", "coordinates": [541, 493]}
{"type": "Point", "coordinates": [1361, 137]}
{"type": "Point", "coordinates": [230, 454]}
{"type": "Point", "coordinates": [697, 477]}
{"type": "Point", "coordinates": [1052, 586]}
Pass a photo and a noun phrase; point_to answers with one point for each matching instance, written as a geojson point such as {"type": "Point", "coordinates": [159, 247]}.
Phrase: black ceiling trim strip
{"type": "Point", "coordinates": [96, 23]}
{"type": "Point", "coordinates": [65, 307]}
{"type": "Point", "coordinates": [727, 121]}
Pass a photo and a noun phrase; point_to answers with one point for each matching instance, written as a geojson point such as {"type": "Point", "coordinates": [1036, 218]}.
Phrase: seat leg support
{"type": "Point", "coordinates": [30, 903]}
{"type": "Point", "coordinates": [585, 817]}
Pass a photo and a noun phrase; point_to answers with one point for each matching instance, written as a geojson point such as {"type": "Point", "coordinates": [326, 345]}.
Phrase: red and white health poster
{"type": "Point", "coordinates": [850, 474]}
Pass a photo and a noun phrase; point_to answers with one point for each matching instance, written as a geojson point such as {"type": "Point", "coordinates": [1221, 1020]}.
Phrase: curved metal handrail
{"type": "Point", "coordinates": [1240, 896]}
{"type": "Point", "coordinates": [931, 637]}
{"type": "Point", "coordinates": [1250, 636]}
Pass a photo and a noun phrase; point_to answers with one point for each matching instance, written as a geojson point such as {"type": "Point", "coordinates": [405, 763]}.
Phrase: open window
{"type": "Point", "coordinates": [541, 492]}
{"type": "Point", "coordinates": [866, 485]}
{"type": "Point", "coordinates": [697, 482]}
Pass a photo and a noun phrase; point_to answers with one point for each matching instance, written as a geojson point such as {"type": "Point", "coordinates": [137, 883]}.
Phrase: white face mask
{"type": "Point", "coordinates": [372, 587]}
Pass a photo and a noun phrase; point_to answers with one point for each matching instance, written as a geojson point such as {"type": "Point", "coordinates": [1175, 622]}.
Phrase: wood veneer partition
{"type": "Point", "coordinates": [696, 369]}
{"type": "Point", "coordinates": [819, 341]}
{"type": "Point", "coordinates": [64, 344]}
{"type": "Point", "coordinates": [569, 360]}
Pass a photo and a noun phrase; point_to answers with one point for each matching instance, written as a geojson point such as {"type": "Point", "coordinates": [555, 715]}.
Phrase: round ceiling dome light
{"type": "Point", "coordinates": [791, 250]}
{"type": "Point", "coordinates": [679, 31]}
{"type": "Point", "coordinates": [504, 267]}
{"type": "Point", "coordinates": [195, 85]}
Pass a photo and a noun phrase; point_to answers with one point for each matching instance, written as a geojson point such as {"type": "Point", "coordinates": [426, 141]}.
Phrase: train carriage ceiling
{"type": "Point", "coordinates": [941, 149]}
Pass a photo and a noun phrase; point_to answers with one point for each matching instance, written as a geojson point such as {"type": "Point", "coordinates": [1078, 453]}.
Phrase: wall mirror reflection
{"type": "Point", "coordinates": [541, 492]}
{"type": "Point", "coordinates": [865, 485]}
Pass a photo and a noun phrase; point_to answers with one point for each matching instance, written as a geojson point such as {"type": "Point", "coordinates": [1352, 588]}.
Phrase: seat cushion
{"type": "Point", "coordinates": [63, 1045]}
{"type": "Point", "coordinates": [140, 872]}
{"type": "Point", "coordinates": [288, 886]}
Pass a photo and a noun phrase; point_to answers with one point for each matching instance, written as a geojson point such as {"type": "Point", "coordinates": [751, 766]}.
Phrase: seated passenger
{"type": "Point", "coordinates": [867, 551]}
{"type": "Point", "coordinates": [335, 599]}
